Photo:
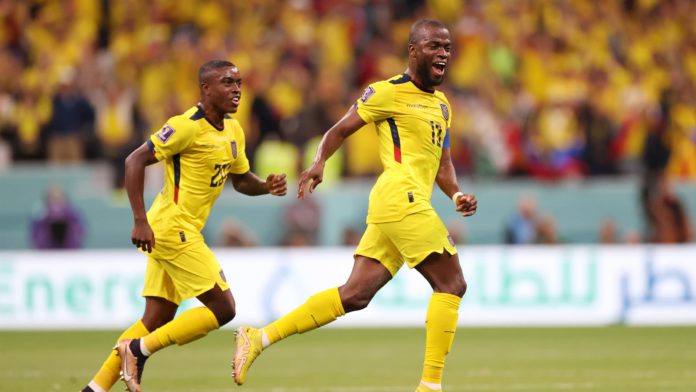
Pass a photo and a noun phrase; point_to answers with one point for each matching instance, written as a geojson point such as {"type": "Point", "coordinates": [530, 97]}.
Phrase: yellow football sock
{"type": "Point", "coordinates": [110, 370]}
{"type": "Point", "coordinates": [320, 309]}
{"type": "Point", "coordinates": [187, 327]}
{"type": "Point", "coordinates": [440, 325]}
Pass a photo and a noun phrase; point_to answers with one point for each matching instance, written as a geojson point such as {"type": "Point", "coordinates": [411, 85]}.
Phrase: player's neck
{"type": "Point", "coordinates": [416, 80]}
{"type": "Point", "coordinates": [216, 119]}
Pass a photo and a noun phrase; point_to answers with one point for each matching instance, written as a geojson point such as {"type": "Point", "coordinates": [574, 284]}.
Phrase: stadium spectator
{"type": "Point", "coordinates": [522, 227]}
{"type": "Point", "coordinates": [234, 234]}
{"type": "Point", "coordinates": [598, 131]}
{"type": "Point", "coordinates": [351, 236]}
{"type": "Point", "coordinates": [668, 220]}
{"type": "Point", "coordinates": [546, 231]}
{"type": "Point", "coordinates": [413, 121]}
{"type": "Point", "coordinates": [553, 60]}
{"type": "Point", "coordinates": [632, 237]}
{"type": "Point", "coordinates": [301, 222]}
{"type": "Point", "coordinates": [274, 154]}
{"type": "Point", "coordinates": [57, 224]}
{"type": "Point", "coordinates": [72, 124]}
{"type": "Point", "coordinates": [608, 232]}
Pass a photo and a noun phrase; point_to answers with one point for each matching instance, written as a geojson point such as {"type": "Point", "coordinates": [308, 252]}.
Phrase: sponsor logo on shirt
{"type": "Point", "coordinates": [369, 91]}
{"type": "Point", "coordinates": [166, 132]}
{"type": "Point", "coordinates": [417, 106]}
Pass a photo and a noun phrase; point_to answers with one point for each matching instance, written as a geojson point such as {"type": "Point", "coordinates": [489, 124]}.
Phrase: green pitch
{"type": "Point", "coordinates": [388, 360]}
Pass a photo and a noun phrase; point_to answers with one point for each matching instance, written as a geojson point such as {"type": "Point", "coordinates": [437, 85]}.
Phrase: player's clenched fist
{"type": "Point", "coordinates": [276, 184]}
{"type": "Point", "coordinates": [466, 204]}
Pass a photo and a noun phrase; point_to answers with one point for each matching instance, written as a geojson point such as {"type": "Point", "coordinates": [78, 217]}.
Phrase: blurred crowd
{"type": "Point", "coordinates": [549, 89]}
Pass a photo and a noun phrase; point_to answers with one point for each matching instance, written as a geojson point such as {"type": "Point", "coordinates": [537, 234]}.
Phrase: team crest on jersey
{"type": "Point", "coordinates": [445, 111]}
{"type": "Point", "coordinates": [234, 149]}
{"type": "Point", "coordinates": [369, 91]}
{"type": "Point", "coordinates": [166, 132]}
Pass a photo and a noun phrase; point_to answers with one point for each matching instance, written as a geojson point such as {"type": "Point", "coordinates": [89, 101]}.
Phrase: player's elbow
{"type": "Point", "coordinates": [130, 160]}
{"type": "Point", "coordinates": [241, 182]}
{"type": "Point", "coordinates": [134, 161]}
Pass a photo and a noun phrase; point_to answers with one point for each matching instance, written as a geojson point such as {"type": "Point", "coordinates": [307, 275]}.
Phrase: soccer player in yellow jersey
{"type": "Point", "coordinates": [200, 149]}
{"type": "Point", "coordinates": [412, 120]}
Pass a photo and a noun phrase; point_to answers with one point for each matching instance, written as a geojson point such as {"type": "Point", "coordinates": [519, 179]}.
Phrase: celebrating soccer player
{"type": "Point", "coordinates": [413, 121]}
{"type": "Point", "coordinates": [201, 148]}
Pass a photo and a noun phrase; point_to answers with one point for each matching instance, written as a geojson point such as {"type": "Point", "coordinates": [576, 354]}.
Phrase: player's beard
{"type": "Point", "coordinates": [425, 74]}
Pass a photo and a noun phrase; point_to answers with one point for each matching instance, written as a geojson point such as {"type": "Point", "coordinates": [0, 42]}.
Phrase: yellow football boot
{"type": "Point", "coordinates": [249, 346]}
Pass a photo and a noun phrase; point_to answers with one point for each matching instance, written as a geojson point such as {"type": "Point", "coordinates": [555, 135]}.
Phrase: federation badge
{"type": "Point", "coordinates": [445, 111]}
{"type": "Point", "coordinates": [166, 132]}
{"type": "Point", "coordinates": [369, 91]}
{"type": "Point", "coordinates": [234, 149]}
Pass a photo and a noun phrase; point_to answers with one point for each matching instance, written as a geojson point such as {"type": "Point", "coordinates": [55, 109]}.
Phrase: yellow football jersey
{"type": "Point", "coordinates": [413, 128]}
{"type": "Point", "coordinates": [197, 158]}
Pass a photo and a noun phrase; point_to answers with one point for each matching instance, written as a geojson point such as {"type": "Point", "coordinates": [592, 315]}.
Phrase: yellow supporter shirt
{"type": "Point", "coordinates": [413, 128]}
{"type": "Point", "coordinates": [197, 158]}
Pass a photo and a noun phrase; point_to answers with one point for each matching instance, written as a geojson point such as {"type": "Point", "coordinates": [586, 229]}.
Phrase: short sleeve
{"type": "Point", "coordinates": [376, 102]}
{"type": "Point", "coordinates": [447, 114]}
{"type": "Point", "coordinates": [449, 118]}
{"type": "Point", "coordinates": [240, 165]}
{"type": "Point", "coordinates": [446, 111]}
{"type": "Point", "coordinates": [174, 137]}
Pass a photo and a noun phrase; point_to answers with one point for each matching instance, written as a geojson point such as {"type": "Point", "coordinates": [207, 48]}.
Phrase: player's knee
{"type": "Point", "coordinates": [154, 321]}
{"type": "Point", "coordinates": [225, 314]}
{"type": "Point", "coordinates": [461, 289]}
{"type": "Point", "coordinates": [355, 300]}
{"type": "Point", "coordinates": [456, 286]}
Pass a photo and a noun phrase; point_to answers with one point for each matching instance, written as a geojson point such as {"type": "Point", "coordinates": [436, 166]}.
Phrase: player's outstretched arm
{"type": "Point", "coordinates": [250, 184]}
{"type": "Point", "coordinates": [332, 140]}
{"type": "Point", "coordinates": [141, 235]}
{"type": "Point", "coordinates": [446, 179]}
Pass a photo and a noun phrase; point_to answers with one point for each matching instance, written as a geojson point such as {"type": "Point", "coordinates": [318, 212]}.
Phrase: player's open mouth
{"type": "Point", "coordinates": [439, 68]}
{"type": "Point", "coordinates": [235, 100]}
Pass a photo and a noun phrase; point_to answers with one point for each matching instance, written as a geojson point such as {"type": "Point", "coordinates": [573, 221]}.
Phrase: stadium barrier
{"type": "Point", "coordinates": [507, 286]}
{"type": "Point", "coordinates": [578, 207]}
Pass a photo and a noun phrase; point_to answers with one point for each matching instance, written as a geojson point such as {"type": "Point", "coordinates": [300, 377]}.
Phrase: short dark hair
{"type": "Point", "coordinates": [416, 33]}
{"type": "Point", "coordinates": [211, 65]}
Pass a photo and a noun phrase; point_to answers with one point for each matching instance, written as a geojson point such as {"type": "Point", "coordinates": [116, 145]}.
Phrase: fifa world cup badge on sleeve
{"type": "Point", "coordinates": [369, 91]}
{"type": "Point", "coordinates": [166, 132]}
{"type": "Point", "coordinates": [234, 149]}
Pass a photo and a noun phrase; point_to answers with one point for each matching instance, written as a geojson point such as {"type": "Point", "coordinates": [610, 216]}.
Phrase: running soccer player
{"type": "Point", "coordinates": [201, 148]}
{"type": "Point", "coordinates": [413, 121]}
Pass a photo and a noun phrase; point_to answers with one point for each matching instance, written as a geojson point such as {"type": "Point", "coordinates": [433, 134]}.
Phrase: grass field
{"type": "Point", "coordinates": [362, 360]}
